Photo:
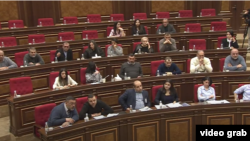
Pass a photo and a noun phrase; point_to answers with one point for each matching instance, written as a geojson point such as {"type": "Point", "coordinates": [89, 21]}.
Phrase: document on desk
{"type": "Point", "coordinates": [173, 105]}
{"type": "Point", "coordinates": [217, 102]}
{"type": "Point", "coordinates": [65, 127]}
{"type": "Point", "coordinates": [145, 109]}
{"type": "Point", "coordinates": [99, 117]}
{"type": "Point", "coordinates": [112, 114]}
{"type": "Point", "coordinates": [158, 106]}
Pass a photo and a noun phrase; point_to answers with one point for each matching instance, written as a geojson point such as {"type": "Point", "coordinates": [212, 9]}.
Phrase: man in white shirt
{"type": "Point", "coordinates": [200, 63]}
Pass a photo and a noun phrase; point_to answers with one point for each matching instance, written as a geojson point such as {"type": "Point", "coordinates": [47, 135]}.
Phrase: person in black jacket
{"type": "Point", "coordinates": [144, 46]}
{"type": "Point", "coordinates": [230, 41]}
{"type": "Point", "coordinates": [165, 27]}
{"type": "Point", "coordinates": [138, 28]}
{"type": "Point", "coordinates": [64, 53]}
{"type": "Point", "coordinates": [93, 50]}
{"type": "Point", "coordinates": [167, 94]}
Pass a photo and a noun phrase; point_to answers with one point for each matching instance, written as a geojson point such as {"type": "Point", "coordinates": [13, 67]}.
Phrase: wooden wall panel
{"type": "Point", "coordinates": [246, 5]}
{"type": "Point", "coordinates": [146, 131]}
{"type": "Point", "coordinates": [161, 6]}
{"type": "Point", "coordinates": [8, 10]}
{"type": "Point", "coordinates": [225, 6]}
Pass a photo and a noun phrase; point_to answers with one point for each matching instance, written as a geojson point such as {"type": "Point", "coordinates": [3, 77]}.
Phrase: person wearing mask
{"type": "Point", "coordinates": [137, 28]}
{"type": "Point", "coordinates": [136, 97]}
{"type": "Point", "coordinates": [93, 50]}
{"type": "Point", "coordinates": [117, 31]}
{"type": "Point", "coordinates": [5, 62]}
{"type": "Point", "coordinates": [167, 43]}
{"type": "Point", "coordinates": [230, 41]}
{"type": "Point", "coordinates": [32, 58]}
{"type": "Point", "coordinates": [63, 81]}
{"type": "Point", "coordinates": [245, 90]}
{"type": "Point", "coordinates": [64, 53]}
{"type": "Point", "coordinates": [64, 114]}
{"type": "Point", "coordinates": [94, 107]}
{"type": "Point", "coordinates": [114, 49]}
{"type": "Point", "coordinates": [200, 63]}
{"type": "Point", "coordinates": [168, 66]}
{"type": "Point", "coordinates": [235, 62]}
{"type": "Point", "coordinates": [165, 27]}
{"type": "Point", "coordinates": [144, 46]}
{"type": "Point", "coordinates": [92, 74]}
{"type": "Point", "coordinates": [167, 94]}
{"type": "Point", "coordinates": [206, 92]}
{"type": "Point", "coordinates": [131, 68]}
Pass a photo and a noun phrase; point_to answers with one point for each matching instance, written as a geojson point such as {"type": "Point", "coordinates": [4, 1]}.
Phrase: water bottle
{"type": "Point", "coordinates": [179, 15]}
{"type": "Point", "coordinates": [56, 59]}
{"type": "Point", "coordinates": [33, 41]}
{"type": "Point", "coordinates": [159, 31]}
{"type": "Point", "coordinates": [15, 94]}
{"type": "Point", "coordinates": [224, 69]}
{"type": "Point", "coordinates": [156, 16]}
{"type": "Point", "coordinates": [183, 48]}
{"type": "Point", "coordinates": [221, 46]}
{"type": "Point", "coordinates": [64, 21]}
{"type": "Point", "coordinates": [46, 127]}
{"type": "Point", "coordinates": [82, 56]}
{"type": "Point", "coordinates": [86, 36]}
{"type": "Point", "coordinates": [2, 44]}
{"type": "Point", "coordinates": [139, 51]}
{"type": "Point", "coordinates": [200, 14]}
{"type": "Point", "coordinates": [137, 32]}
{"type": "Point", "coordinates": [112, 78]}
{"type": "Point", "coordinates": [131, 109]}
{"type": "Point", "coordinates": [60, 38]}
{"type": "Point", "coordinates": [111, 53]}
{"type": "Point", "coordinates": [133, 17]}
{"type": "Point", "coordinates": [111, 19]}
{"type": "Point", "coordinates": [65, 59]}
{"type": "Point", "coordinates": [25, 64]}
{"type": "Point", "coordinates": [160, 105]}
{"type": "Point", "coordinates": [41, 24]}
{"type": "Point", "coordinates": [212, 28]}
{"type": "Point", "coordinates": [125, 76]}
{"type": "Point", "coordinates": [187, 30]}
{"type": "Point", "coordinates": [86, 119]}
{"type": "Point", "coordinates": [194, 47]}
{"type": "Point", "coordinates": [88, 20]}
{"type": "Point", "coordinates": [14, 25]}
{"type": "Point", "coordinates": [158, 73]}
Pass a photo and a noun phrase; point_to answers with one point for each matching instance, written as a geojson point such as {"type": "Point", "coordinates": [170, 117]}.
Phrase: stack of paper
{"type": "Point", "coordinates": [158, 106]}
{"type": "Point", "coordinates": [173, 105]}
{"type": "Point", "coordinates": [145, 109]}
{"type": "Point", "coordinates": [112, 114]}
{"type": "Point", "coordinates": [217, 102]}
{"type": "Point", "coordinates": [99, 117]}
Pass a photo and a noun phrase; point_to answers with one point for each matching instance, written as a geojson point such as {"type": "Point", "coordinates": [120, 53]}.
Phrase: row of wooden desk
{"type": "Point", "coordinates": [22, 109]}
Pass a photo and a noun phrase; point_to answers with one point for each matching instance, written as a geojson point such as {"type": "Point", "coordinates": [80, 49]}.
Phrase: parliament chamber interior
{"type": "Point", "coordinates": [122, 70]}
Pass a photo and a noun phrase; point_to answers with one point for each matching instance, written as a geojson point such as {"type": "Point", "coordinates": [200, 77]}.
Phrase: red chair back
{"type": "Point", "coordinates": [94, 18]}
{"type": "Point", "coordinates": [140, 16]}
{"type": "Point", "coordinates": [19, 58]}
{"type": "Point", "coordinates": [193, 27]}
{"type": "Point", "coordinates": [154, 91]}
{"type": "Point", "coordinates": [52, 78]}
{"type": "Point", "coordinates": [218, 26]}
{"type": "Point", "coordinates": [240, 96]}
{"type": "Point", "coordinates": [162, 15]}
{"type": "Point", "coordinates": [80, 102]}
{"type": "Point", "coordinates": [157, 26]}
{"type": "Point", "coordinates": [109, 28]}
{"type": "Point", "coordinates": [135, 44]}
{"type": "Point", "coordinates": [38, 38]}
{"type": "Point", "coordinates": [186, 13]}
{"type": "Point", "coordinates": [106, 48]}
{"type": "Point", "coordinates": [22, 85]}
{"type": "Point", "coordinates": [46, 22]}
{"type": "Point", "coordinates": [146, 28]}
{"type": "Point", "coordinates": [222, 60]}
{"type": "Point", "coordinates": [92, 34]}
{"type": "Point", "coordinates": [154, 66]}
{"type": "Point", "coordinates": [208, 12]}
{"type": "Point", "coordinates": [188, 65]}
{"type": "Point", "coordinates": [220, 41]}
{"type": "Point", "coordinates": [117, 17]}
{"type": "Point", "coordinates": [84, 48]}
{"type": "Point", "coordinates": [52, 55]}
{"type": "Point", "coordinates": [70, 20]}
{"type": "Point", "coordinates": [41, 115]}
{"type": "Point", "coordinates": [200, 44]}
{"type": "Point", "coordinates": [196, 90]}
{"type": "Point", "coordinates": [8, 41]}
{"type": "Point", "coordinates": [83, 78]}
{"type": "Point", "coordinates": [66, 36]}
{"type": "Point", "coordinates": [18, 23]}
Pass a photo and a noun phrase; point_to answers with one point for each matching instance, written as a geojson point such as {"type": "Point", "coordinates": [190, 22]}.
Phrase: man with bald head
{"type": "Point", "coordinates": [137, 97]}
{"type": "Point", "coordinates": [235, 62]}
{"type": "Point", "coordinates": [200, 63]}
{"type": "Point", "coordinates": [6, 62]}
{"type": "Point", "coordinates": [165, 27]}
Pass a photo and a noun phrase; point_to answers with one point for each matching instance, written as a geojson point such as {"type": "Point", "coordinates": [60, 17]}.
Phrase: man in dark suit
{"type": "Point", "coordinates": [165, 27]}
{"type": "Point", "coordinates": [136, 97]}
{"type": "Point", "coordinates": [64, 53]}
{"type": "Point", "coordinates": [64, 114]}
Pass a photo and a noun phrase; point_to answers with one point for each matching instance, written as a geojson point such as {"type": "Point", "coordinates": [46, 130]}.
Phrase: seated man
{"type": "Point", "coordinates": [64, 114]}
{"type": "Point", "coordinates": [165, 27]}
{"type": "Point", "coordinates": [6, 62]}
{"type": "Point", "coordinates": [167, 43]}
{"type": "Point", "coordinates": [32, 58]}
{"type": "Point", "coordinates": [200, 63]}
{"type": "Point", "coordinates": [235, 62]}
{"type": "Point", "coordinates": [137, 97]}
{"type": "Point", "coordinates": [94, 107]}
{"type": "Point", "coordinates": [131, 68]}
{"type": "Point", "coordinates": [144, 46]}
{"type": "Point", "coordinates": [168, 66]}
{"type": "Point", "coordinates": [64, 53]}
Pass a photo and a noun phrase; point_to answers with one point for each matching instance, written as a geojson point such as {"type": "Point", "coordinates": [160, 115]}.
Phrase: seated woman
{"type": "Point", "coordinates": [63, 80]}
{"type": "Point", "coordinates": [117, 31]}
{"type": "Point", "coordinates": [137, 28]}
{"type": "Point", "coordinates": [245, 90]}
{"type": "Point", "coordinates": [114, 49]}
{"type": "Point", "coordinates": [144, 46]}
{"type": "Point", "coordinates": [167, 94]}
{"type": "Point", "coordinates": [92, 75]}
{"type": "Point", "coordinates": [93, 50]}
{"type": "Point", "coordinates": [206, 92]}
{"type": "Point", "coordinates": [230, 41]}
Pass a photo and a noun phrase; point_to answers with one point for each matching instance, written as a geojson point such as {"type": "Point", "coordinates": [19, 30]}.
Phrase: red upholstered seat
{"type": "Point", "coordinates": [80, 102]}
{"type": "Point", "coordinates": [219, 26]}
{"type": "Point", "coordinates": [66, 36]}
{"type": "Point", "coordinates": [196, 91]}
{"type": "Point", "coordinates": [94, 18]}
{"type": "Point", "coordinates": [52, 78]}
{"type": "Point", "coordinates": [92, 34]}
{"type": "Point", "coordinates": [19, 58]}
{"type": "Point", "coordinates": [188, 65]}
{"type": "Point", "coordinates": [162, 15]}
{"type": "Point", "coordinates": [22, 85]}
{"type": "Point", "coordinates": [38, 38]}
{"type": "Point", "coordinates": [109, 28]}
{"type": "Point", "coordinates": [84, 48]}
{"type": "Point", "coordinates": [45, 22]}
{"type": "Point", "coordinates": [157, 26]}
{"type": "Point", "coordinates": [208, 12]}
{"type": "Point", "coordinates": [154, 66]}
{"type": "Point", "coordinates": [70, 20]}
{"type": "Point", "coordinates": [41, 114]}
{"type": "Point", "coordinates": [140, 16]}
{"type": "Point", "coordinates": [200, 44]}
{"type": "Point", "coordinates": [106, 48]}
{"type": "Point", "coordinates": [18, 23]}
{"type": "Point", "coordinates": [8, 41]}
{"type": "Point", "coordinates": [222, 60]}
{"type": "Point", "coordinates": [146, 29]}
{"type": "Point", "coordinates": [240, 96]}
{"type": "Point", "coordinates": [52, 54]}
{"type": "Point", "coordinates": [154, 91]}
{"type": "Point", "coordinates": [220, 41]}
{"type": "Point", "coordinates": [82, 74]}
{"type": "Point", "coordinates": [186, 13]}
{"type": "Point", "coordinates": [117, 17]}
{"type": "Point", "coordinates": [135, 44]}
{"type": "Point", "coordinates": [193, 27]}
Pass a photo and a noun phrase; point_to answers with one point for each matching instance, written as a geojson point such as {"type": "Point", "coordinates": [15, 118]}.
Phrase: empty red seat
{"type": "Point", "coordinates": [200, 44]}
{"type": "Point", "coordinates": [45, 22]}
{"type": "Point", "coordinates": [70, 20]}
{"type": "Point", "coordinates": [109, 28]}
{"type": "Point", "coordinates": [19, 58]}
{"type": "Point", "coordinates": [15, 24]}
{"type": "Point", "coordinates": [52, 78]}
{"type": "Point", "coordinates": [154, 91]}
{"type": "Point", "coordinates": [140, 16]}
{"type": "Point", "coordinates": [188, 65]}
{"type": "Point", "coordinates": [222, 61]}
{"type": "Point", "coordinates": [116, 17]}
{"type": "Point", "coordinates": [196, 91]}
{"type": "Point", "coordinates": [135, 44]}
{"type": "Point", "coordinates": [94, 18]}
{"type": "Point", "coordinates": [66, 36]}
{"type": "Point", "coordinates": [8, 41]}
{"type": "Point", "coordinates": [52, 55]}
{"type": "Point", "coordinates": [193, 27]}
{"type": "Point", "coordinates": [220, 41]}
{"type": "Point", "coordinates": [162, 15]}
{"type": "Point", "coordinates": [92, 34]}
{"type": "Point", "coordinates": [106, 48]}
{"type": "Point", "coordinates": [208, 12]}
{"type": "Point", "coordinates": [22, 86]}
{"type": "Point", "coordinates": [146, 29]}
{"type": "Point", "coordinates": [80, 102]}
{"type": "Point", "coordinates": [38, 38]}
{"type": "Point", "coordinates": [154, 66]}
{"type": "Point", "coordinates": [186, 13]}
{"type": "Point", "coordinates": [219, 26]}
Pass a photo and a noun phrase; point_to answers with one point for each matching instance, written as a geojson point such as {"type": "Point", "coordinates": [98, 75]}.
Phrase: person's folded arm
{"type": "Point", "coordinates": [56, 118]}
{"type": "Point", "coordinates": [208, 66]}
{"type": "Point", "coordinates": [75, 116]}
{"type": "Point", "coordinates": [118, 50]}
{"type": "Point", "coordinates": [107, 109]}
{"type": "Point", "coordinates": [176, 70]}
{"type": "Point", "coordinates": [200, 97]}
{"type": "Point", "coordinates": [11, 63]}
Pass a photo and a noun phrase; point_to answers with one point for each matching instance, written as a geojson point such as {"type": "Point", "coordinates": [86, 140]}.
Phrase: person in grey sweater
{"type": "Point", "coordinates": [165, 27]}
{"type": "Point", "coordinates": [235, 62]}
{"type": "Point", "coordinates": [92, 74]}
{"type": "Point", "coordinates": [114, 49]}
{"type": "Point", "coordinates": [167, 43]}
{"type": "Point", "coordinates": [131, 68]}
{"type": "Point", "coordinates": [6, 62]}
{"type": "Point", "coordinates": [32, 58]}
